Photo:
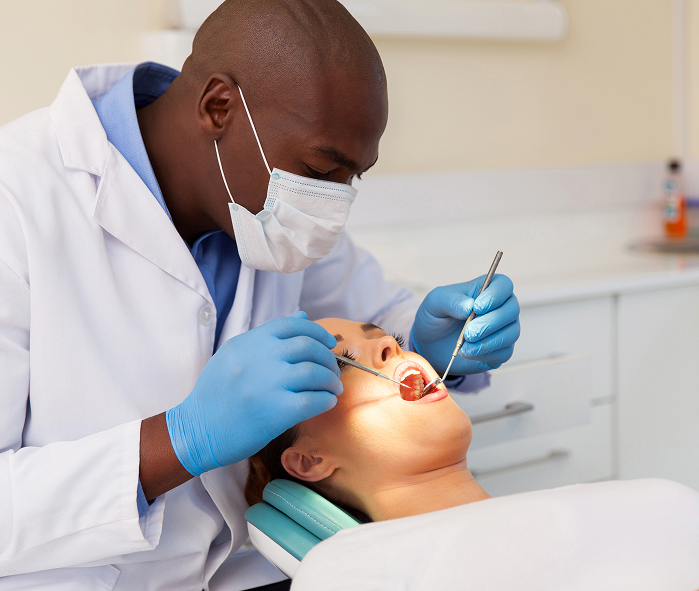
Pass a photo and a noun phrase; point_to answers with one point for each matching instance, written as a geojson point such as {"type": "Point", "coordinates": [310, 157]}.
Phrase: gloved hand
{"type": "Point", "coordinates": [256, 386]}
{"type": "Point", "coordinates": [490, 337]}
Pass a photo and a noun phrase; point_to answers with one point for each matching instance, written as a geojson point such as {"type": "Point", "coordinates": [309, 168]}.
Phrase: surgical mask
{"type": "Point", "coordinates": [300, 223]}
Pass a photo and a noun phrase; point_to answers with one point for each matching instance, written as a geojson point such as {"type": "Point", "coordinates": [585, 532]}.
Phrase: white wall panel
{"type": "Point", "coordinates": [658, 385]}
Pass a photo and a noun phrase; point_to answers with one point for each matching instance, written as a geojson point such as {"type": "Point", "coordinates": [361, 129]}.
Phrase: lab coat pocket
{"type": "Point", "coordinates": [93, 578]}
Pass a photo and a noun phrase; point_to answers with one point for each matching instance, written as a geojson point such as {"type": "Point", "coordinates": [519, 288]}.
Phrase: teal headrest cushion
{"type": "Point", "coordinates": [291, 536]}
{"type": "Point", "coordinates": [307, 508]}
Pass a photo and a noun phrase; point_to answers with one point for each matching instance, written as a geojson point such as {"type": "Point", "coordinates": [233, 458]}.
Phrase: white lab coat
{"type": "Point", "coordinates": [102, 323]}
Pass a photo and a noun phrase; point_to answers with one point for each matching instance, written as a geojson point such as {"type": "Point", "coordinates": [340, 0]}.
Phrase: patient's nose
{"type": "Point", "coordinates": [385, 349]}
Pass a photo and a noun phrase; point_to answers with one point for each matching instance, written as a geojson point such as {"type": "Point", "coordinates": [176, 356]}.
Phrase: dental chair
{"type": "Point", "coordinates": [291, 521]}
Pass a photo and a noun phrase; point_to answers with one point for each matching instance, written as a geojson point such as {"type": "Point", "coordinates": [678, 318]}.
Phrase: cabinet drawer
{"type": "Point", "coordinates": [584, 327]}
{"type": "Point", "coordinates": [578, 454]}
{"type": "Point", "coordinates": [529, 399]}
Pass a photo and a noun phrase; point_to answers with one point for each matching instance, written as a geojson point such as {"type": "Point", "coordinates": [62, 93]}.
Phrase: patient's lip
{"type": "Point", "coordinates": [434, 396]}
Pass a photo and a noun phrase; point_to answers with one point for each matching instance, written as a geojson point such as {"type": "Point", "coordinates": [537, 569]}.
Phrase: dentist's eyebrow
{"type": "Point", "coordinates": [339, 158]}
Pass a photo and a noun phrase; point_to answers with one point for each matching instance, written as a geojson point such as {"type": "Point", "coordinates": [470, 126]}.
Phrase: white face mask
{"type": "Point", "coordinates": [301, 221]}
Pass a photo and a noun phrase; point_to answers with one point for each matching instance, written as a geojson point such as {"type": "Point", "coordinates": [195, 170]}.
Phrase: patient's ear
{"type": "Point", "coordinates": [306, 464]}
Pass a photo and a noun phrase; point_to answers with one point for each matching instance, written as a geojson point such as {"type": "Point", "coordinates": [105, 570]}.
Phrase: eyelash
{"type": "Point", "coordinates": [313, 173]}
{"type": "Point", "coordinates": [400, 341]}
{"type": "Point", "coordinates": [323, 175]}
{"type": "Point", "coordinates": [341, 364]}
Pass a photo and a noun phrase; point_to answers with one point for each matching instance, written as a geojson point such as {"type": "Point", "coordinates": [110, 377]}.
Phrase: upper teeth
{"type": "Point", "coordinates": [412, 372]}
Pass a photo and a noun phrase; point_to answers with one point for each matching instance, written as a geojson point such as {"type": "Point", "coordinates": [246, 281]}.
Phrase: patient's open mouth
{"type": "Point", "coordinates": [416, 384]}
{"type": "Point", "coordinates": [414, 377]}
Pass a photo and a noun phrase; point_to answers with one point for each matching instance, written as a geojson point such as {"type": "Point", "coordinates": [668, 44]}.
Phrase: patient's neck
{"type": "Point", "coordinates": [423, 493]}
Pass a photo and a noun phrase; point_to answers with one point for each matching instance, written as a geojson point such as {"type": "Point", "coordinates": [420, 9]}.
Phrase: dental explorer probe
{"type": "Point", "coordinates": [462, 337]}
{"type": "Point", "coordinates": [353, 363]}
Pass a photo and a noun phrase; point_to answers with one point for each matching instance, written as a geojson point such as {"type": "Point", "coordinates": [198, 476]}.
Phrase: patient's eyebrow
{"type": "Point", "coordinates": [368, 327]}
{"type": "Point", "coordinates": [339, 337]}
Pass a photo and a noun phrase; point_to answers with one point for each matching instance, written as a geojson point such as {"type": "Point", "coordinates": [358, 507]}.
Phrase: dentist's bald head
{"type": "Point", "coordinates": [272, 44]}
{"type": "Point", "coordinates": [316, 89]}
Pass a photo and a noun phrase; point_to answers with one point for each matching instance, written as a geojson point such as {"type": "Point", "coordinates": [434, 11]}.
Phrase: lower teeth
{"type": "Point", "coordinates": [416, 383]}
{"type": "Point", "coordinates": [419, 388]}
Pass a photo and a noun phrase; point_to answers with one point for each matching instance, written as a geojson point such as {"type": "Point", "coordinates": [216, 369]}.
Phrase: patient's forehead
{"type": "Point", "coordinates": [349, 329]}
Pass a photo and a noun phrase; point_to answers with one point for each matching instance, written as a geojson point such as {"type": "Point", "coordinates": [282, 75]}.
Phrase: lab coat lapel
{"type": "Point", "coordinates": [238, 320]}
{"type": "Point", "coordinates": [126, 209]}
{"type": "Point", "coordinates": [124, 206]}
{"type": "Point", "coordinates": [81, 139]}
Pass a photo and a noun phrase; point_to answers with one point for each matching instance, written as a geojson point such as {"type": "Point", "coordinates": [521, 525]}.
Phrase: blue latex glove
{"type": "Point", "coordinates": [256, 386]}
{"type": "Point", "coordinates": [490, 337]}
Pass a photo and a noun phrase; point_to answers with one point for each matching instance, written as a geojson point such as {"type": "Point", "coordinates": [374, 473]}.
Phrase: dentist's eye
{"type": "Point", "coordinates": [316, 174]}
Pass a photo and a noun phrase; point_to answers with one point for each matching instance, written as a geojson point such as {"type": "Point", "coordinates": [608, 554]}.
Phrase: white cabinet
{"type": "Point", "coordinates": [546, 420]}
{"type": "Point", "coordinates": [658, 385]}
{"type": "Point", "coordinates": [529, 399]}
{"type": "Point", "coordinates": [584, 327]}
{"type": "Point", "coordinates": [611, 388]}
{"type": "Point", "coordinates": [578, 454]}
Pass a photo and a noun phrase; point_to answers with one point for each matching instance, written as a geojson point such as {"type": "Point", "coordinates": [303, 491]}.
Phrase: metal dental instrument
{"type": "Point", "coordinates": [488, 278]}
{"type": "Point", "coordinates": [353, 363]}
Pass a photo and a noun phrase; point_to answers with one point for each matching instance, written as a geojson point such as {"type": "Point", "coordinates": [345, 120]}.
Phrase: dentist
{"type": "Point", "coordinates": [159, 234]}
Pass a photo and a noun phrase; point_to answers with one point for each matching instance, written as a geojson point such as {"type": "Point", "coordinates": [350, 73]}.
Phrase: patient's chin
{"type": "Point", "coordinates": [456, 438]}
{"type": "Point", "coordinates": [445, 446]}
{"type": "Point", "coordinates": [458, 430]}
{"type": "Point", "coordinates": [463, 437]}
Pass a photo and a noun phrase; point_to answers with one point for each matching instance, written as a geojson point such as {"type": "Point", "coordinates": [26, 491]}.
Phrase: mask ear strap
{"type": "Point", "coordinates": [223, 176]}
{"type": "Point", "coordinates": [254, 130]}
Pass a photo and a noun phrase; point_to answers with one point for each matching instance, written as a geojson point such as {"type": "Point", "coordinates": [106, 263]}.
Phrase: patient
{"type": "Point", "coordinates": [385, 455]}
{"type": "Point", "coordinates": [380, 453]}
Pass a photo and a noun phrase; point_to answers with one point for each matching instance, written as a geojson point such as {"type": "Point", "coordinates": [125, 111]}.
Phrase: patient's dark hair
{"type": "Point", "coordinates": [266, 465]}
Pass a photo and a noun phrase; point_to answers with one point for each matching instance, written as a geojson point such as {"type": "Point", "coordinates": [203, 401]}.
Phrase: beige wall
{"type": "Point", "coordinates": [693, 81]}
{"type": "Point", "coordinates": [602, 95]}
{"type": "Point", "coordinates": [40, 40]}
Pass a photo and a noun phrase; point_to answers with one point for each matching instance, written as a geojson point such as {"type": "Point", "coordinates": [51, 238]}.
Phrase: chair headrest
{"type": "Point", "coordinates": [307, 508]}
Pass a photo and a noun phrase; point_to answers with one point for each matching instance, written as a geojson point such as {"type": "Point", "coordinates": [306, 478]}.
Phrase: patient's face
{"type": "Point", "coordinates": [378, 433]}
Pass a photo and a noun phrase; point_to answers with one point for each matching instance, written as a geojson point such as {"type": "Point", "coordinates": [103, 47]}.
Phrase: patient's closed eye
{"type": "Point", "coordinates": [400, 340]}
{"type": "Point", "coordinates": [341, 364]}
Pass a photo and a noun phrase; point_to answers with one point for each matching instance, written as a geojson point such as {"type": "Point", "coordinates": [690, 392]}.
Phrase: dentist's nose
{"type": "Point", "coordinates": [385, 349]}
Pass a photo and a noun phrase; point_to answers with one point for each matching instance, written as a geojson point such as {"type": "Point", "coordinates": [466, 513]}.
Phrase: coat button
{"type": "Point", "coordinates": [205, 315]}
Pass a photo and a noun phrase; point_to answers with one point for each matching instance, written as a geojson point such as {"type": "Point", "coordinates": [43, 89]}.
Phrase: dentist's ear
{"type": "Point", "coordinates": [306, 464]}
{"type": "Point", "coordinates": [218, 101]}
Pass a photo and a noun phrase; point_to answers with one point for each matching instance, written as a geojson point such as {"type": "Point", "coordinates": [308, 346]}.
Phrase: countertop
{"type": "Point", "coordinates": [551, 258]}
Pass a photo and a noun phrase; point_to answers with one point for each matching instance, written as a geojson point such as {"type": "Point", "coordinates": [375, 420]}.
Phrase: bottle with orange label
{"type": "Point", "coordinates": [675, 210]}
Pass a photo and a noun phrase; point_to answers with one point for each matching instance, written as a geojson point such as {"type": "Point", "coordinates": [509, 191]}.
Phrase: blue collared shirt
{"type": "Point", "coordinates": [215, 253]}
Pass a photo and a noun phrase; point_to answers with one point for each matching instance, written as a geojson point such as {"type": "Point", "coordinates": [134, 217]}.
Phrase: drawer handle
{"type": "Point", "coordinates": [552, 456]}
{"type": "Point", "coordinates": [512, 409]}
